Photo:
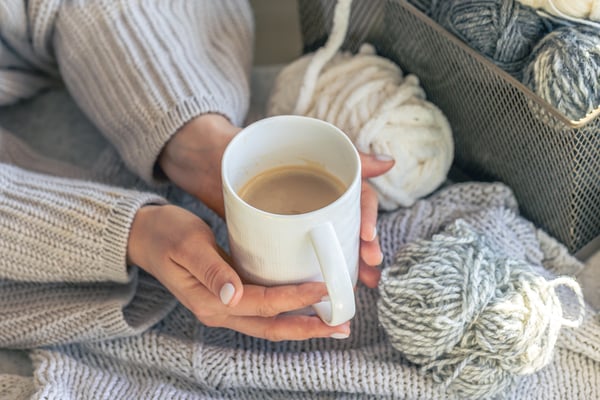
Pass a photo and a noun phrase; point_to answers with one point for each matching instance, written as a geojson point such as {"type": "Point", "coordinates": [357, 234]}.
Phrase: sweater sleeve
{"type": "Point", "coordinates": [63, 244]}
{"type": "Point", "coordinates": [64, 230]}
{"type": "Point", "coordinates": [141, 69]}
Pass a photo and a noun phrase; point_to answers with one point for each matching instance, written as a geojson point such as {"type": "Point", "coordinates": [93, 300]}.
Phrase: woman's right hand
{"type": "Point", "coordinates": [179, 249]}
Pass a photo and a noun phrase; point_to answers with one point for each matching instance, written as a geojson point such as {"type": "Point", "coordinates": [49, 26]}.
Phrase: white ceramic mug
{"type": "Point", "coordinates": [321, 245]}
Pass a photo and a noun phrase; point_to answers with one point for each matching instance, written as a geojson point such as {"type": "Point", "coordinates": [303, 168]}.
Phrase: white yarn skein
{"type": "Point", "coordinates": [568, 9]}
{"type": "Point", "coordinates": [381, 111]}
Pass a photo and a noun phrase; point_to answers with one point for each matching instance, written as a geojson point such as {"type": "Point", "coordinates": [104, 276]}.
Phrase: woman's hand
{"type": "Point", "coordinates": [179, 249]}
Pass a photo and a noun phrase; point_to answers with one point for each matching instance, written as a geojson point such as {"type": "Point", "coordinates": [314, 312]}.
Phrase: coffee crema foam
{"type": "Point", "coordinates": [294, 189]}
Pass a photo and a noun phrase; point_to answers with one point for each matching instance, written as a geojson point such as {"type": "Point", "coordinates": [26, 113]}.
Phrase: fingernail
{"type": "Point", "coordinates": [383, 157]}
{"type": "Point", "coordinates": [226, 293]}
{"type": "Point", "coordinates": [325, 298]}
{"type": "Point", "coordinates": [340, 335]}
{"type": "Point", "coordinates": [374, 234]}
{"type": "Point", "coordinates": [344, 333]}
{"type": "Point", "coordinates": [380, 258]}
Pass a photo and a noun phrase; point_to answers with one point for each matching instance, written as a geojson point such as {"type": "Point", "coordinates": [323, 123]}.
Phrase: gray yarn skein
{"type": "Point", "coordinates": [474, 321]}
{"type": "Point", "coordinates": [503, 30]}
{"type": "Point", "coordinates": [565, 70]}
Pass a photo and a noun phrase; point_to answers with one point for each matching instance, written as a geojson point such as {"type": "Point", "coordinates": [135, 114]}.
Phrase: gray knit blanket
{"type": "Point", "coordinates": [179, 358]}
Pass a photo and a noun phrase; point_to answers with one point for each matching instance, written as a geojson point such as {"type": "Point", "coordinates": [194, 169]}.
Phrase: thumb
{"type": "Point", "coordinates": [374, 165]}
{"type": "Point", "coordinates": [218, 276]}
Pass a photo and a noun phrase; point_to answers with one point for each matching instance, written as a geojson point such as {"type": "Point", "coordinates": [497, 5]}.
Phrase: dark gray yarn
{"type": "Point", "coordinates": [503, 30]}
{"type": "Point", "coordinates": [565, 70]}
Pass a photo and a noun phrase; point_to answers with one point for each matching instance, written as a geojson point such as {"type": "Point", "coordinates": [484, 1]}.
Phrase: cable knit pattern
{"type": "Point", "coordinates": [157, 56]}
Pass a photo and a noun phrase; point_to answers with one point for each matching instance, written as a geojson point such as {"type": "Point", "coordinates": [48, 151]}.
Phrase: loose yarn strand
{"type": "Point", "coordinates": [324, 54]}
{"type": "Point", "coordinates": [572, 285]}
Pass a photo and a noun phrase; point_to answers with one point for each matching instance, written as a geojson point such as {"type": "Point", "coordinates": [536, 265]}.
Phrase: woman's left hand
{"type": "Point", "coordinates": [192, 160]}
{"type": "Point", "coordinates": [370, 250]}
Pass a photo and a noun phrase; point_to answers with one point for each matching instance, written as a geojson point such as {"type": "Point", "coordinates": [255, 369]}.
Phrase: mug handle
{"type": "Point", "coordinates": [340, 307]}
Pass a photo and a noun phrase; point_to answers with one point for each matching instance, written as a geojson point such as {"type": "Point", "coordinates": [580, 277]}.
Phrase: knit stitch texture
{"type": "Point", "coordinates": [96, 329]}
{"type": "Point", "coordinates": [180, 358]}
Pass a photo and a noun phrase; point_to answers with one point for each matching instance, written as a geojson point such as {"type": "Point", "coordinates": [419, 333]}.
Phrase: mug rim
{"type": "Point", "coordinates": [347, 192]}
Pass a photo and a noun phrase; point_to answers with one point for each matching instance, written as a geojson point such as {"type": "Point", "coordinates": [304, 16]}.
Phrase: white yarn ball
{"type": "Point", "coordinates": [584, 9]}
{"type": "Point", "coordinates": [383, 112]}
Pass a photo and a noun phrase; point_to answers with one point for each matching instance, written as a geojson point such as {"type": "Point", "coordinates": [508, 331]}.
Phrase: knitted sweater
{"type": "Point", "coordinates": [139, 71]}
{"type": "Point", "coordinates": [96, 329]}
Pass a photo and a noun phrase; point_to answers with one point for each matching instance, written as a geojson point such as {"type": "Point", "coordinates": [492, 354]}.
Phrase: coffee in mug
{"type": "Point", "coordinates": [294, 189]}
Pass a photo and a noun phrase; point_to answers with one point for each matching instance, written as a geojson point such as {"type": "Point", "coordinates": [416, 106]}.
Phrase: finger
{"type": "Point", "coordinates": [370, 252]}
{"type": "Point", "coordinates": [271, 301]}
{"type": "Point", "coordinates": [191, 293]}
{"type": "Point", "coordinates": [368, 212]}
{"type": "Point", "coordinates": [375, 164]}
{"type": "Point", "coordinates": [368, 275]}
{"type": "Point", "coordinates": [287, 327]}
{"type": "Point", "coordinates": [202, 259]}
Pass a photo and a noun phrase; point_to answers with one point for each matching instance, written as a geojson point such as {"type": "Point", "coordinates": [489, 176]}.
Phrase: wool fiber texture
{"type": "Point", "coordinates": [565, 70]}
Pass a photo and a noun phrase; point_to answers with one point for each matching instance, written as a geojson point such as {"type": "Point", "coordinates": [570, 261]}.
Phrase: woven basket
{"type": "Point", "coordinates": [502, 130]}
